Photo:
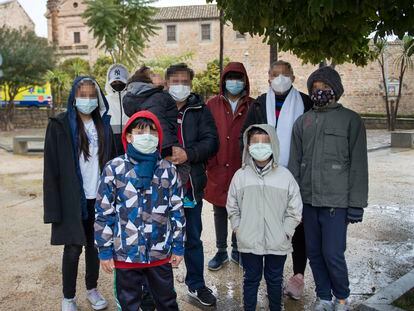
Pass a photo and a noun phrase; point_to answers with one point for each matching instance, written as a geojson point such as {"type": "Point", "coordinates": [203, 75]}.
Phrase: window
{"type": "Point", "coordinates": [205, 32]}
{"type": "Point", "coordinates": [76, 37]}
{"type": "Point", "coordinates": [75, 5]}
{"type": "Point", "coordinates": [240, 35]}
{"type": "Point", "coordinates": [171, 33]}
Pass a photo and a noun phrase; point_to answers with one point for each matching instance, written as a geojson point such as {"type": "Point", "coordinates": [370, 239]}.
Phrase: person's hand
{"type": "Point", "coordinates": [108, 265]}
{"type": "Point", "coordinates": [179, 155]}
{"type": "Point", "coordinates": [175, 260]}
{"type": "Point", "coordinates": [355, 214]}
{"type": "Point", "coordinates": [236, 230]}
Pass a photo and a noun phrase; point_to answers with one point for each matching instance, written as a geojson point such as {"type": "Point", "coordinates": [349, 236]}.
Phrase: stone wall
{"type": "Point", "coordinates": [13, 15]}
{"type": "Point", "coordinates": [30, 117]}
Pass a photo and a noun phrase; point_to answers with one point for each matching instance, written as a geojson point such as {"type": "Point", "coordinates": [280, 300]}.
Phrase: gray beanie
{"type": "Point", "coordinates": [329, 76]}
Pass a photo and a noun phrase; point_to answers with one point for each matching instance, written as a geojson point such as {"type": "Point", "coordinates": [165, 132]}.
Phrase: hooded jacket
{"type": "Point", "coordinates": [199, 134]}
{"type": "Point", "coordinates": [264, 206]}
{"type": "Point", "coordinates": [328, 157]}
{"type": "Point", "coordinates": [135, 226]}
{"type": "Point", "coordinates": [144, 96]}
{"type": "Point", "coordinates": [114, 98]}
{"type": "Point", "coordinates": [64, 199]}
{"type": "Point", "coordinates": [227, 161]}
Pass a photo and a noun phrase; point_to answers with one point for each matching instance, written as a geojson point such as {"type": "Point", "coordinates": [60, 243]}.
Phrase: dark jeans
{"type": "Point", "coordinates": [325, 233]}
{"type": "Point", "coordinates": [71, 254]}
{"type": "Point", "coordinates": [221, 226]}
{"type": "Point", "coordinates": [299, 250]}
{"type": "Point", "coordinates": [194, 254]}
{"type": "Point", "coordinates": [273, 273]}
{"type": "Point", "coordinates": [129, 282]}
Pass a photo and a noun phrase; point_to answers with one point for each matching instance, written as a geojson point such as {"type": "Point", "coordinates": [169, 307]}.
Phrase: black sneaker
{"type": "Point", "coordinates": [218, 261]}
{"type": "Point", "coordinates": [235, 257]}
{"type": "Point", "coordinates": [204, 295]}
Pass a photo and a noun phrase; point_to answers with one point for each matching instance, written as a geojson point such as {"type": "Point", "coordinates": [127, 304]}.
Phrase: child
{"type": "Point", "coordinates": [264, 207]}
{"type": "Point", "coordinates": [328, 158]}
{"type": "Point", "coordinates": [78, 143]}
{"type": "Point", "coordinates": [139, 226]}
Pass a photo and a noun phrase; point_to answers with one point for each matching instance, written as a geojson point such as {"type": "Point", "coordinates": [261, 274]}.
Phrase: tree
{"type": "Point", "coordinates": [60, 83]}
{"type": "Point", "coordinates": [75, 67]}
{"type": "Point", "coordinates": [402, 62]}
{"type": "Point", "coordinates": [121, 26]}
{"type": "Point", "coordinates": [26, 59]}
{"type": "Point", "coordinates": [315, 30]}
{"type": "Point", "coordinates": [207, 83]}
{"type": "Point", "coordinates": [100, 69]}
{"type": "Point", "coordinates": [160, 64]}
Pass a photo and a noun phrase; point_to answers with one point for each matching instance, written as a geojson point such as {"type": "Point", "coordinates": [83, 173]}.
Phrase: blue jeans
{"type": "Point", "coordinates": [194, 254]}
{"type": "Point", "coordinates": [273, 273]}
{"type": "Point", "coordinates": [325, 235]}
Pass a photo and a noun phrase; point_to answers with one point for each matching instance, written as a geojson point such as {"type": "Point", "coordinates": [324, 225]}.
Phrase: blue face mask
{"type": "Point", "coordinates": [86, 105]}
{"type": "Point", "coordinates": [234, 86]}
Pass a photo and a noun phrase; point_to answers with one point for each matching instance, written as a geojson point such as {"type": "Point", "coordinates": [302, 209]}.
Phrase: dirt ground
{"type": "Point", "coordinates": [380, 250]}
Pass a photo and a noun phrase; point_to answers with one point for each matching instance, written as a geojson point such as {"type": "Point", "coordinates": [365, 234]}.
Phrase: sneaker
{"type": "Point", "coordinates": [69, 304]}
{"type": "Point", "coordinates": [341, 306]}
{"type": "Point", "coordinates": [217, 262]}
{"type": "Point", "coordinates": [148, 303]}
{"type": "Point", "coordinates": [322, 305]}
{"type": "Point", "coordinates": [204, 295]}
{"type": "Point", "coordinates": [235, 257]}
{"type": "Point", "coordinates": [294, 287]}
{"type": "Point", "coordinates": [96, 299]}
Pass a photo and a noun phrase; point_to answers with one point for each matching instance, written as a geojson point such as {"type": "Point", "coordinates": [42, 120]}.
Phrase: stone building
{"type": "Point", "coordinates": [13, 15]}
{"type": "Point", "coordinates": [195, 29]}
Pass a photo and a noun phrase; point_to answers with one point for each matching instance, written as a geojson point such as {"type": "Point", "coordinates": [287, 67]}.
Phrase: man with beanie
{"type": "Point", "coordinates": [116, 81]}
{"type": "Point", "coordinates": [328, 158]}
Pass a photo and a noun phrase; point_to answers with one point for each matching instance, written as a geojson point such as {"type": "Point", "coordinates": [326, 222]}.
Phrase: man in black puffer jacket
{"type": "Point", "coordinates": [142, 94]}
{"type": "Point", "coordinates": [197, 134]}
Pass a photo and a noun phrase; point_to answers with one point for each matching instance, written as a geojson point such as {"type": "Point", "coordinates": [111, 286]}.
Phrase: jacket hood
{"type": "Point", "coordinates": [274, 142]}
{"type": "Point", "coordinates": [234, 67]}
{"type": "Point", "coordinates": [142, 88]}
{"type": "Point", "coordinates": [112, 75]}
{"type": "Point", "coordinates": [147, 115]}
{"type": "Point", "coordinates": [102, 102]}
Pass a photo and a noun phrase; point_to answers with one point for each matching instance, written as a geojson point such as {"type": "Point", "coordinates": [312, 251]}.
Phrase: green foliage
{"type": "Point", "coordinates": [315, 30]}
{"type": "Point", "coordinates": [207, 83]}
{"type": "Point", "coordinates": [100, 69]}
{"type": "Point", "coordinates": [60, 83]}
{"type": "Point", "coordinates": [160, 64]}
{"type": "Point", "coordinates": [75, 67]}
{"type": "Point", "coordinates": [26, 59]}
{"type": "Point", "coordinates": [121, 26]}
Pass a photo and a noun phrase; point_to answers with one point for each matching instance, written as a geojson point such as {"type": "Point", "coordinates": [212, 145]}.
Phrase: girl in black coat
{"type": "Point", "coordinates": [78, 144]}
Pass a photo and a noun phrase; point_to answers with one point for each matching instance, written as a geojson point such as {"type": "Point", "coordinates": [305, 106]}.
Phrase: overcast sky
{"type": "Point", "coordinates": [37, 8]}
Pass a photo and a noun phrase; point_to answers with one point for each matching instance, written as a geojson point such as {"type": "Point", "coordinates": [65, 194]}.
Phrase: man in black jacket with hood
{"type": "Point", "coordinates": [197, 133]}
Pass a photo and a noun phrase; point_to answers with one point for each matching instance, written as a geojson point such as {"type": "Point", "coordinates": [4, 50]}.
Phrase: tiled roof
{"type": "Point", "coordinates": [190, 12]}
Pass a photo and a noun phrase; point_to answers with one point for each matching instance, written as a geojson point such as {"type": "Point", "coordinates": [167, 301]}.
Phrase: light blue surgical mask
{"type": "Point", "coordinates": [260, 151]}
{"type": "Point", "coordinates": [86, 105]}
{"type": "Point", "coordinates": [234, 86]}
{"type": "Point", "coordinates": [145, 143]}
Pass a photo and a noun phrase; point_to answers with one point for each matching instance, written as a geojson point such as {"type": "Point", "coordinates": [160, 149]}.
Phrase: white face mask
{"type": "Point", "coordinates": [281, 84]}
{"type": "Point", "coordinates": [260, 151]}
{"type": "Point", "coordinates": [179, 92]}
{"type": "Point", "coordinates": [145, 143]}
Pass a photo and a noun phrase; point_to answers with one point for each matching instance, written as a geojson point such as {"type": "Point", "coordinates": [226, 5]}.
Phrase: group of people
{"type": "Point", "coordinates": [125, 176]}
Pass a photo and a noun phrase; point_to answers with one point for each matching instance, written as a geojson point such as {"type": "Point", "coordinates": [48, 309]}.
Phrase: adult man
{"type": "Point", "coordinates": [229, 110]}
{"type": "Point", "coordinates": [280, 107]}
{"type": "Point", "coordinates": [197, 134]}
{"type": "Point", "coordinates": [115, 87]}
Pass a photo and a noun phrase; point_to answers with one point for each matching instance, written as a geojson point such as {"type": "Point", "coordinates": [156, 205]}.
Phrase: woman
{"type": "Point", "coordinates": [78, 144]}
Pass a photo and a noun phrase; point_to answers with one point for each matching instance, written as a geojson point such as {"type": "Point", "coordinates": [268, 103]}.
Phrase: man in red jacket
{"type": "Point", "coordinates": [229, 110]}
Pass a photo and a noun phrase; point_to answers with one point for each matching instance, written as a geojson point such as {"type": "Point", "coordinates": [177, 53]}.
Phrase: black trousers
{"type": "Point", "coordinates": [299, 250]}
{"type": "Point", "coordinates": [221, 226]}
{"type": "Point", "coordinates": [71, 254]}
{"type": "Point", "coordinates": [128, 287]}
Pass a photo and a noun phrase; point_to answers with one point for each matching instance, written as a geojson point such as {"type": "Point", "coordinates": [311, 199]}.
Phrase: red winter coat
{"type": "Point", "coordinates": [221, 168]}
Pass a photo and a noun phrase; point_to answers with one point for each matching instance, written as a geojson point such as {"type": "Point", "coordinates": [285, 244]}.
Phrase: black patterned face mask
{"type": "Point", "coordinates": [322, 98]}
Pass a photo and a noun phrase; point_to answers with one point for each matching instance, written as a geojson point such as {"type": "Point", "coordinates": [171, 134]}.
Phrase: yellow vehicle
{"type": "Point", "coordinates": [34, 96]}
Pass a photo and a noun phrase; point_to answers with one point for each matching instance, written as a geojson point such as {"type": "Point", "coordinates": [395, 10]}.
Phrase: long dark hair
{"type": "Point", "coordinates": [83, 138]}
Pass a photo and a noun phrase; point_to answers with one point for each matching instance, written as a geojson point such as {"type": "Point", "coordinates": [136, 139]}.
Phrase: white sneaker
{"type": "Point", "coordinates": [69, 304]}
{"type": "Point", "coordinates": [96, 299]}
{"type": "Point", "coordinates": [322, 305]}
